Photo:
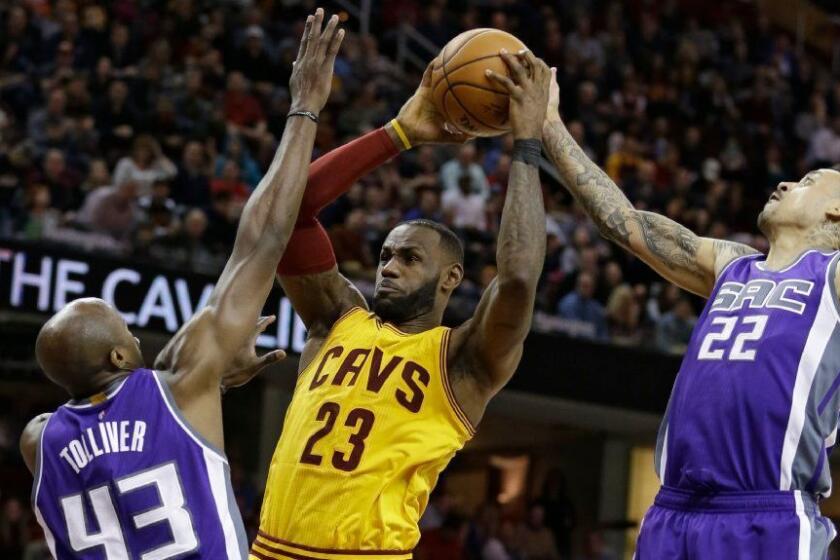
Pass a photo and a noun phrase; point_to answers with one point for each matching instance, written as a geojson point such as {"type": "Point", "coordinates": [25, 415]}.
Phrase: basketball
{"type": "Point", "coordinates": [468, 100]}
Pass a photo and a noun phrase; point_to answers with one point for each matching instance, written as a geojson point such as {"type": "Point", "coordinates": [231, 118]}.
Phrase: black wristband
{"type": "Point", "coordinates": [527, 151]}
{"type": "Point", "coordinates": [308, 114]}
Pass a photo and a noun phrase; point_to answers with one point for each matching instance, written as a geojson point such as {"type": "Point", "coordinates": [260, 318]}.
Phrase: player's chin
{"type": "Point", "coordinates": [385, 305]}
{"type": "Point", "coordinates": [764, 218]}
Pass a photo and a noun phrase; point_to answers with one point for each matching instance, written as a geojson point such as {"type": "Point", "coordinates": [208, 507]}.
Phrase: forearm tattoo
{"type": "Point", "coordinates": [674, 245]}
{"type": "Point", "coordinates": [591, 186]}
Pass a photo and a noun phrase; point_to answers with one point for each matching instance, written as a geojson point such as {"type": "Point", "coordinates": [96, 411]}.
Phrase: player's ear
{"type": "Point", "coordinates": [833, 211]}
{"type": "Point", "coordinates": [119, 358]}
{"type": "Point", "coordinates": [452, 277]}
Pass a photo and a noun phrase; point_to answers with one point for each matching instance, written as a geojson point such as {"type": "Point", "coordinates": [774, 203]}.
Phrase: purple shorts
{"type": "Point", "coordinates": [734, 526]}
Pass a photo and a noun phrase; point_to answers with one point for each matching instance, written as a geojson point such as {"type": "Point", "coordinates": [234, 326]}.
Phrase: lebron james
{"type": "Point", "coordinates": [386, 397]}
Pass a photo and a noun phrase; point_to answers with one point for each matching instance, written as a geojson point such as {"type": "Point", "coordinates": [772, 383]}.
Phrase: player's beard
{"type": "Point", "coordinates": [398, 309]}
{"type": "Point", "coordinates": [762, 222]}
{"type": "Point", "coordinates": [767, 220]}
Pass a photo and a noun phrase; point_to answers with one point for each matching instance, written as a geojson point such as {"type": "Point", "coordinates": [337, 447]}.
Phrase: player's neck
{"type": "Point", "coordinates": [100, 383]}
{"type": "Point", "coordinates": [787, 246]}
{"type": "Point", "coordinates": [421, 323]}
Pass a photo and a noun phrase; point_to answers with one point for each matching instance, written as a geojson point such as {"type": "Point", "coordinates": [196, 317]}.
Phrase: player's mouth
{"type": "Point", "coordinates": [386, 288]}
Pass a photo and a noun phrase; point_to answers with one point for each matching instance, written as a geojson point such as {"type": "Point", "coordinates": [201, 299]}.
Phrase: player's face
{"type": "Point", "coordinates": [407, 278]}
{"type": "Point", "coordinates": [802, 204]}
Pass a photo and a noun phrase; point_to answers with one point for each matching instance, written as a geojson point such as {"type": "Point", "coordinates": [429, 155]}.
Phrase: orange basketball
{"type": "Point", "coordinates": [468, 100]}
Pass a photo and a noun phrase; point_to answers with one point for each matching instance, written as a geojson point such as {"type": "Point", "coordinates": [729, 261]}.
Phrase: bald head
{"type": "Point", "coordinates": [85, 346]}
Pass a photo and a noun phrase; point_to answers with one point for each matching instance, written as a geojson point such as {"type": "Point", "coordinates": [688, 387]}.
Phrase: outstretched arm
{"type": "Point", "coordinates": [488, 347]}
{"type": "Point", "coordinates": [676, 253]}
{"type": "Point", "coordinates": [308, 272]}
{"type": "Point", "coordinates": [205, 348]}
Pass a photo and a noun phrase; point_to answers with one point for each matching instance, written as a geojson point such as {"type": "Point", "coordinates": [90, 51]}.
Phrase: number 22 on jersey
{"type": "Point", "coordinates": [716, 344]}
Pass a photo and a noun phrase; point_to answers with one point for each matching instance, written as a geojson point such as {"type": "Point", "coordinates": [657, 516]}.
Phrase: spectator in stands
{"type": "Point", "coordinates": [230, 181]}
{"type": "Point", "coordinates": [144, 166]}
{"type": "Point", "coordinates": [117, 120]}
{"type": "Point", "coordinates": [623, 315]}
{"type": "Point", "coordinates": [364, 110]}
{"type": "Point", "coordinates": [824, 149]}
{"type": "Point", "coordinates": [113, 211]}
{"type": "Point", "coordinates": [222, 216]}
{"type": "Point", "coordinates": [189, 247]}
{"type": "Point", "coordinates": [352, 251]}
{"type": "Point", "coordinates": [427, 208]}
{"type": "Point", "coordinates": [254, 61]}
{"type": "Point", "coordinates": [122, 51]}
{"type": "Point", "coordinates": [192, 182]}
{"type": "Point", "coordinates": [236, 151]}
{"type": "Point", "coordinates": [535, 541]}
{"type": "Point", "coordinates": [498, 179]}
{"type": "Point", "coordinates": [581, 306]}
{"type": "Point", "coordinates": [53, 114]}
{"type": "Point", "coordinates": [193, 105]}
{"type": "Point", "coordinates": [434, 25]}
{"type": "Point", "coordinates": [673, 330]}
{"type": "Point", "coordinates": [243, 112]}
{"type": "Point", "coordinates": [583, 45]}
{"type": "Point", "coordinates": [40, 219]}
{"type": "Point", "coordinates": [464, 208]}
{"type": "Point", "coordinates": [62, 181]}
{"type": "Point", "coordinates": [464, 165]}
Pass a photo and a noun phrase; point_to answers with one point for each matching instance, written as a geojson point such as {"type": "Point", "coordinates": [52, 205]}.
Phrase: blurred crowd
{"type": "Point", "coordinates": [140, 128]}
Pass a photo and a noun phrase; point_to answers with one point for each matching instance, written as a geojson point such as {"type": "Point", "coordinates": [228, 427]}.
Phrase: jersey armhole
{"type": "Point", "coordinates": [39, 463]}
{"type": "Point", "coordinates": [454, 406]}
{"type": "Point", "coordinates": [177, 415]}
{"type": "Point", "coordinates": [728, 265]}
{"type": "Point", "coordinates": [36, 487]}
{"type": "Point", "coordinates": [332, 328]}
{"type": "Point", "coordinates": [830, 277]}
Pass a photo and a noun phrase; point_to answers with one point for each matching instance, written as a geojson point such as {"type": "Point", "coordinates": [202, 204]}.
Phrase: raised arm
{"type": "Point", "coordinates": [488, 347]}
{"type": "Point", "coordinates": [676, 253]}
{"type": "Point", "coordinates": [203, 350]}
{"type": "Point", "coordinates": [308, 272]}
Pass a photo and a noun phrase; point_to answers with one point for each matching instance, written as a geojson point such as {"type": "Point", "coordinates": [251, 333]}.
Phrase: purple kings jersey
{"type": "Point", "coordinates": [755, 404]}
{"type": "Point", "coordinates": [126, 478]}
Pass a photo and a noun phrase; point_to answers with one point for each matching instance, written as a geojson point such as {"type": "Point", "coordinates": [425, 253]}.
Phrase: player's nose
{"type": "Point", "coordinates": [390, 269]}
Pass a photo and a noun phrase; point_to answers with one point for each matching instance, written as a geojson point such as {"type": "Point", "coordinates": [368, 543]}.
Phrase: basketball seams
{"type": "Point", "coordinates": [465, 64]}
{"type": "Point", "coordinates": [444, 61]}
{"type": "Point", "coordinates": [476, 86]}
{"type": "Point", "coordinates": [458, 101]}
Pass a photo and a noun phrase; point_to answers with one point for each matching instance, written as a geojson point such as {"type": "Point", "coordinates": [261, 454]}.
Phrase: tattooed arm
{"type": "Point", "coordinates": [680, 256]}
{"type": "Point", "coordinates": [485, 351]}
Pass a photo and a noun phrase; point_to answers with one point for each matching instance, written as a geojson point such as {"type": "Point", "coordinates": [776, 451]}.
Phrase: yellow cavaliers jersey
{"type": "Point", "coordinates": [370, 427]}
